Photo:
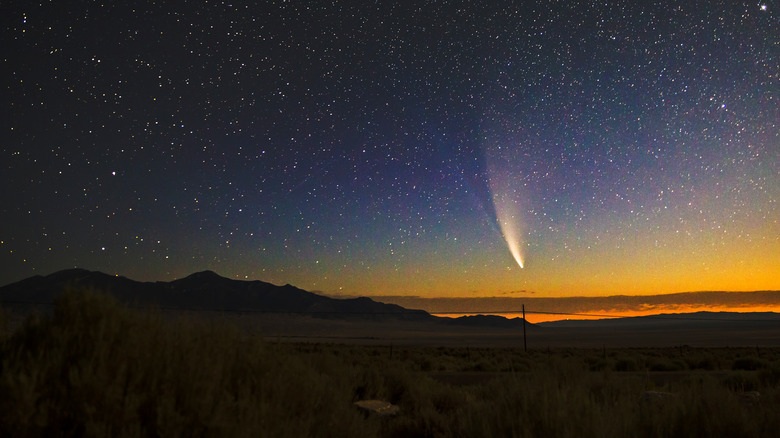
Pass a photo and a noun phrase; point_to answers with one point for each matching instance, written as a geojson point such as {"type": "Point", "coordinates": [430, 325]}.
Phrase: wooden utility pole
{"type": "Point", "coordinates": [525, 342]}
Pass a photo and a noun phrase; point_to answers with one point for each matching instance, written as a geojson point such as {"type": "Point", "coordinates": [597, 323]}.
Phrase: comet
{"type": "Point", "coordinates": [505, 191]}
{"type": "Point", "coordinates": [509, 220]}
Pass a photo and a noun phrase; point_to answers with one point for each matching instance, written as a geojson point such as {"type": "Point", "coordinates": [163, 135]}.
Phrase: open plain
{"type": "Point", "coordinates": [93, 367]}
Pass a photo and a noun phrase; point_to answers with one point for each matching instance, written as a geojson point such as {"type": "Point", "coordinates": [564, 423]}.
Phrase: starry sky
{"type": "Point", "coordinates": [396, 148]}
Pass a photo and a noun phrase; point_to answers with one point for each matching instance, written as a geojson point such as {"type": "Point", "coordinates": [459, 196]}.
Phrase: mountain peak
{"type": "Point", "coordinates": [204, 275]}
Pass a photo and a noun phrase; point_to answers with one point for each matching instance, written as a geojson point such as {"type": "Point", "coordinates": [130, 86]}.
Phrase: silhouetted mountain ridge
{"type": "Point", "coordinates": [207, 290]}
{"type": "Point", "coordinates": [204, 290]}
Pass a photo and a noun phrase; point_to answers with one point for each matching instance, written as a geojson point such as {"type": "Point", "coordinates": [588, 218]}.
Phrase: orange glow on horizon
{"type": "Point", "coordinates": [534, 318]}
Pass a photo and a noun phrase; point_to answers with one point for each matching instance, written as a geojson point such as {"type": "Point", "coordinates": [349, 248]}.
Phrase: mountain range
{"type": "Point", "coordinates": [202, 291]}
{"type": "Point", "coordinates": [208, 291]}
{"type": "Point", "coordinates": [292, 312]}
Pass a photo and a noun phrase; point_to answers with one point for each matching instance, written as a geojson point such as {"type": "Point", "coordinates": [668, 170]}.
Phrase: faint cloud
{"type": "Point", "coordinates": [518, 292]}
{"type": "Point", "coordinates": [393, 297]}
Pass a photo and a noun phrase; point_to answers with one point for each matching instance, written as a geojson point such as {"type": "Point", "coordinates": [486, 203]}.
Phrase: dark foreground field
{"type": "Point", "coordinates": [94, 368]}
{"type": "Point", "coordinates": [661, 333]}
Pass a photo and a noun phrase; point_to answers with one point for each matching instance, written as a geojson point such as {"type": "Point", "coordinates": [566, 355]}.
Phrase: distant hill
{"type": "Point", "coordinates": [202, 291]}
{"type": "Point", "coordinates": [767, 300]}
{"type": "Point", "coordinates": [486, 321]}
{"type": "Point", "coordinates": [676, 320]}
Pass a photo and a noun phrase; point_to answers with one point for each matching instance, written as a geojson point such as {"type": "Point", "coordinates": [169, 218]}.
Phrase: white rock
{"type": "Point", "coordinates": [378, 407]}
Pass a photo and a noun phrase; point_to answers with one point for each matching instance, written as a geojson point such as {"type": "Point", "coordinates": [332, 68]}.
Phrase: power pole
{"type": "Point", "coordinates": [525, 342]}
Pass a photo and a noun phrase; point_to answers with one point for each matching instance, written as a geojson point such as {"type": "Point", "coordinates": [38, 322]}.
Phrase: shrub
{"type": "Point", "coordinates": [626, 364]}
{"type": "Point", "coordinates": [748, 363]}
{"type": "Point", "coordinates": [704, 363]}
{"type": "Point", "coordinates": [666, 365]}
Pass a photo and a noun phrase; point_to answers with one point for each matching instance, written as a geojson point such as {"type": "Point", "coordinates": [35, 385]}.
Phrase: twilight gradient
{"type": "Point", "coordinates": [346, 146]}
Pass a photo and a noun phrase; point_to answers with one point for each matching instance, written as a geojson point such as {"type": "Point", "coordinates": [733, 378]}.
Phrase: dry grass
{"type": "Point", "coordinates": [95, 368]}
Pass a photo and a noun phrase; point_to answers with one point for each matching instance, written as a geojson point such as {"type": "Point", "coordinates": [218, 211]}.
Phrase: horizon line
{"type": "Point", "coordinates": [336, 295]}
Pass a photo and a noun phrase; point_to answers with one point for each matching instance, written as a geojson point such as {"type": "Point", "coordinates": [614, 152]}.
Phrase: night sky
{"type": "Point", "coordinates": [396, 148]}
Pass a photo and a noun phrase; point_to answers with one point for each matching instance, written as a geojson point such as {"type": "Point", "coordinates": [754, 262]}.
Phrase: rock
{"type": "Point", "coordinates": [378, 407]}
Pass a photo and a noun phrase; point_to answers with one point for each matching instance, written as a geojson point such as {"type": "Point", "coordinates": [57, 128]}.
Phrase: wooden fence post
{"type": "Point", "coordinates": [525, 341]}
